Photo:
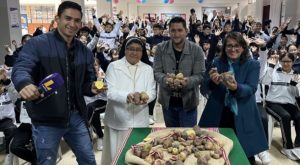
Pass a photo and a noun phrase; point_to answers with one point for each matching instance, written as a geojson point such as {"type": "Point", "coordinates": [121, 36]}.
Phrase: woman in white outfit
{"type": "Point", "coordinates": [126, 78]}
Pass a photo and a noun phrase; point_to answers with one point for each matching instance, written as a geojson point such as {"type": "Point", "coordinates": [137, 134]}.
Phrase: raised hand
{"type": "Point", "coordinates": [273, 60]}
{"type": "Point", "coordinates": [260, 42]}
{"type": "Point", "coordinates": [218, 32]}
{"type": "Point", "coordinates": [197, 38]}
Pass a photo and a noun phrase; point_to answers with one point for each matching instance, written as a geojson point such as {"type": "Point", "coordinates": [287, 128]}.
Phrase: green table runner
{"type": "Point", "coordinates": [236, 156]}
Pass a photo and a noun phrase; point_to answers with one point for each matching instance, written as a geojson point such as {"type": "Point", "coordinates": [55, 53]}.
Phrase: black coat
{"type": "Point", "coordinates": [47, 54]}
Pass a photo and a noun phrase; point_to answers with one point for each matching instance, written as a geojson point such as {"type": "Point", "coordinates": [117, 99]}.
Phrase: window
{"type": "Point", "coordinates": [38, 13]}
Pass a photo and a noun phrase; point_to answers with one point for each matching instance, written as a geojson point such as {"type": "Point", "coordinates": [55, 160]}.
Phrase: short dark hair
{"type": "Point", "coordinates": [25, 36]}
{"type": "Point", "coordinates": [177, 20]}
{"type": "Point", "coordinates": [240, 39]}
{"type": "Point", "coordinates": [157, 25]}
{"type": "Point", "coordinates": [289, 55]}
{"type": "Point", "coordinates": [67, 5]}
{"type": "Point", "coordinates": [205, 26]}
{"type": "Point", "coordinates": [192, 11]}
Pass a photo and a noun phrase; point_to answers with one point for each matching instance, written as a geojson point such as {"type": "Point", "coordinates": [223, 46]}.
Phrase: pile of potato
{"type": "Point", "coordinates": [180, 144]}
{"type": "Point", "coordinates": [175, 81]}
{"type": "Point", "coordinates": [140, 97]}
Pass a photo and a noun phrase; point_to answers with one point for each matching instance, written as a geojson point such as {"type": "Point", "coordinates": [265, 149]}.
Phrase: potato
{"type": "Point", "coordinates": [175, 144]}
{"type": "Point", "coordinates": [228, 76]}
{"type": "Point", "coordinates": [208, 145]}
{"type": "Point", "coordinates": [175, 151]}
{"type": "Point", "coordinates": [137, 97]}
{"type": "Point", "coordinates": [144, 154]}
{"type": "Point", "coordinates": [178, 162]}
{"type": "Point", "coordinates": [149, 159]}
{"type": "Point", "coordinates": [182, 156]}
{"type": "Point", "coordinates": [170, 80]}
{"type": "Point", "coordinates": [99, 84]}
{"type": "Point", "coordinates": [179, 76]}
{"type": "Point", "coordinates": [144, 96]}
{"type": "Point", "coordinates": [147, 147]}
{"type": "Point", "coordinates": [167, 143]}
{"type": "Point", "coordinates": [176, 82]}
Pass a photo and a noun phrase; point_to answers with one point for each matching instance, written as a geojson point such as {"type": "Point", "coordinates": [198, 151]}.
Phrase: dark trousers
{"type": "Point", "coordinates": [8, 128]}
{"type": "Point", "coordinates": [94, 115]}
{"type": "Point", "coordinates": [284, 113]}
{"type": "Point", "coordinates": [227, 121]}
{"type": "Point", "coordinates": [264, 118]}
{"type": "Point", "coordinates": [22, 144]}
{"type": "Point", "coordinates": [151, 106]}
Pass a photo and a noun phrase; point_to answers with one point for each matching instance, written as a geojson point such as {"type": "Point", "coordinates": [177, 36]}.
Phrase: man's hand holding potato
{"type": "Point", "coordinates": [176, 82]}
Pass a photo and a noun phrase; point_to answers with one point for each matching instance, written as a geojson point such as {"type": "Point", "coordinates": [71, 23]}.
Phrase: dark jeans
{"type": "Point", "coordinates": [8, 128]}
{"type": "Point", "coordinates": [264, 118]}
{"type": "Point", "coordinates": [178, 117]}
{"type": "Point", "coordinates": [94, 110]}
{"type": "Point", "coordinates": [22, 144]}
{"type": "Point", "coordinates": [284, 113]}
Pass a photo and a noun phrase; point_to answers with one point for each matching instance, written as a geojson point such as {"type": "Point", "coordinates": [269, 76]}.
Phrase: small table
{"type": "Point", "coordinates": [237, 155]}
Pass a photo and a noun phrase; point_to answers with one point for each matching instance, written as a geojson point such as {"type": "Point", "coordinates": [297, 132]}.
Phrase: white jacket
{"type": "Point", "coordinates": [119, 114]}
{"type": "Point", "coordinates": [280, 90]}
{"type": "Point", "coordinates": [7, 101]}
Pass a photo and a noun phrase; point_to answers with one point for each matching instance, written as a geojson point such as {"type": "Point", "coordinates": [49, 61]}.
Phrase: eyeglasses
{"type": "Point", "coordinates": [134, 50]}
{"type": "Point", "coordinates": [235, 47]}
{"type": "Point", "coordinates": [286, 62]}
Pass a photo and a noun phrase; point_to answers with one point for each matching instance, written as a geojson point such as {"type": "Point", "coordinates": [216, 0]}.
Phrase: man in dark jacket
{"type": "Point", "coordinates": [62, 114]}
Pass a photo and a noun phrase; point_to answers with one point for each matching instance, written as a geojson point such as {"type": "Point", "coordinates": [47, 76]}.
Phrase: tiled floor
{"type": "Point", "coordinates": [68, 157]}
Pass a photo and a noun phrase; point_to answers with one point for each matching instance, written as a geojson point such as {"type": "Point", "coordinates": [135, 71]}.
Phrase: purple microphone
{"type": "Point", "coordinates": [50, 84]}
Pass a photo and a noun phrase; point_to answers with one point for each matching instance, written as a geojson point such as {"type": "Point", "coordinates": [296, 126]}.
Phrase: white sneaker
{"type": "Point", "coordinates": [99, 144]}
{"type": "Point", "coordinates": [151, 120]}
{"type": "Point", "coordinates": [265, 157]}
{"type": "Point", "coordinates": [8, 160]}
{"type": "Point", "coordinates": [288, 153]}
{"type": "Point", "coordinates": [296, 152]}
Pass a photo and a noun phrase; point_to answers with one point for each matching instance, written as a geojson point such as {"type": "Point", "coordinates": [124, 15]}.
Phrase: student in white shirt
{"type": "Point", "coordinates": [283, 88]}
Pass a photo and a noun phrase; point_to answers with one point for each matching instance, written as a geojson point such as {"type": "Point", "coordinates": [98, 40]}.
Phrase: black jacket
{"type": "Point", "coordinates": [47, 54]}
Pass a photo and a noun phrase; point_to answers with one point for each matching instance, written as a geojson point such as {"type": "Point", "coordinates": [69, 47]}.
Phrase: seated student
{"type": "Point", "coordinates": [8, 96]}
{"type": "Point", "coordinates": [22, 144]}
{"type": "Point", "coordinates": [283, 88]}
{"type": "Point", "coordinates": [98, 101]}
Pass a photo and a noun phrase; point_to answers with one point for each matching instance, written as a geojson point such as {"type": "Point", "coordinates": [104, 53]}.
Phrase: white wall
{"type": "Point", "coordinates": [141, 10]}
{"type": "Point", "coordinates": [291, 7]}
{"type": "Point", "coordinates": [7, 32]}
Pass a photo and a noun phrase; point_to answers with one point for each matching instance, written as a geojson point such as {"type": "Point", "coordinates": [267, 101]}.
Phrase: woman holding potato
{"type": "Point", "coordinates": [230, 83]}
{"type": "Point", "coordinates": [132, 87]}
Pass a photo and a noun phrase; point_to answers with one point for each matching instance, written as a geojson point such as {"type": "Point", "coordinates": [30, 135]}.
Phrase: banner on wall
{"type": "Point", "coordinates": [167, 16]}
{"type": "Point", "coordinates": [24, 24]}
{"type": "Point", "coordinates": [14, 17]}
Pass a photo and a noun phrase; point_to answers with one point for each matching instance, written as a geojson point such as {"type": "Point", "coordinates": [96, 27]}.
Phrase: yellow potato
{"type": "Point", "coordinates": [144, 96]}
{"type": "Point", "coordinates": [179, 76]}
{"type": "Point", "coordinates": [99, 84]}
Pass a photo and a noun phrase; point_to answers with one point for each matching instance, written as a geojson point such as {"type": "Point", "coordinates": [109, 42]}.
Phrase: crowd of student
{"type": "Point", "coordinates": [244, 68]}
